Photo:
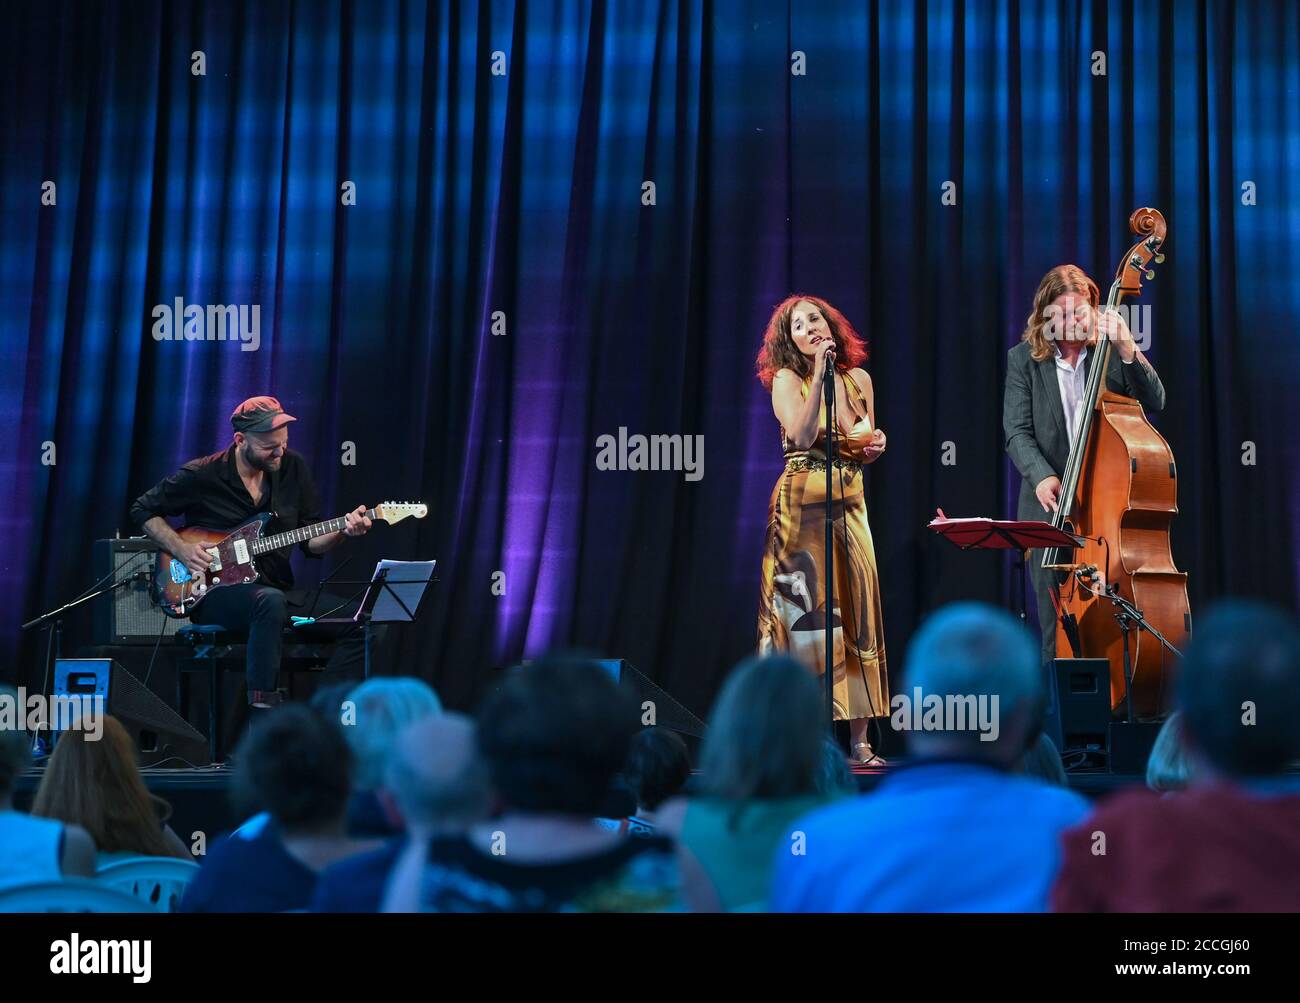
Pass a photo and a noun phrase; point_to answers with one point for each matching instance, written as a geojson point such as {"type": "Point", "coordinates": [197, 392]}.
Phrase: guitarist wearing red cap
{"type": "Point", "coordinates": [257, 473]}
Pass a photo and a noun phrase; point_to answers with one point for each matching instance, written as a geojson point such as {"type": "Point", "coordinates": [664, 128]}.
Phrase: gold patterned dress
{"type": "Point", "coordinates": [792, 607]}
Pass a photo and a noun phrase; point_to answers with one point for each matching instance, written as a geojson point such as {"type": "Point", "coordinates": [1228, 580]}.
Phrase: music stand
{"type": "Point", "coordinates": [1005, 534]}
{"type": "Point", "coordinates": [383, 603]}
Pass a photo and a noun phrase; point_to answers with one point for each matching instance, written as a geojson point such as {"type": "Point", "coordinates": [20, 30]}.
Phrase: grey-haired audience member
{"type": "Point", "coordinates": [436, 777]}
{"type": "Point", "coordinates": [553, 736]}
{"type": "Point", "coordinates": [955, 827]}
{"type": "Point", "coordinates": [373, 715]}
{"type": "Point", "coordinates": [1167, 767]}
{"type": "Point", "coordinates": [438, 785]}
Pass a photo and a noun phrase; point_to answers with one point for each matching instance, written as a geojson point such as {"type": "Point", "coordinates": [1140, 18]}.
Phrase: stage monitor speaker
{"type": "Point", "coordinates": [1129, 746]}
{"type": "Point", "coordinates": [668, 711]}
{"type": "Point", "coordinates": [129, 616]}
{"type": "Point", "coordinates": [158, 732]}
{"type": "Point", "coordinates": [1082, 703]}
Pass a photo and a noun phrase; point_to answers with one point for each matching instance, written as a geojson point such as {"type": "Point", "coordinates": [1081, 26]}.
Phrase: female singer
{"type": "Point", "coordinates": [801, 336]}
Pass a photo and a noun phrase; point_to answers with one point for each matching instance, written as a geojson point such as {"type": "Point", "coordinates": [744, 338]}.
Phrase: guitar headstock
{"type": "Point", "coordinates": [394, 512]}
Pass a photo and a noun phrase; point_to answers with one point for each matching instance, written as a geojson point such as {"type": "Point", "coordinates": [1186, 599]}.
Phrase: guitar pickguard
{"type": "Point", "coordinates": [177, 590]}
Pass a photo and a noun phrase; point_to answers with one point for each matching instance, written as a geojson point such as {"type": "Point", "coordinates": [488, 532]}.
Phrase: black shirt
{"type": "Point", "coordinates": [250, 874]}
{"type": "Point", "coordinates": [209, 493]}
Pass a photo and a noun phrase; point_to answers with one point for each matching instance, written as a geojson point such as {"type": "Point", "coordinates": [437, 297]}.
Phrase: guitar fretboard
{"type": "Point", "coordinates": [281, 540]}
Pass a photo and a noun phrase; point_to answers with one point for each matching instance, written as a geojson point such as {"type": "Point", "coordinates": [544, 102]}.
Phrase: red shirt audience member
{"type": "Point", "coordinates": [1217, 848]}
{"type": "Point", "coordinates": [1230, 842]}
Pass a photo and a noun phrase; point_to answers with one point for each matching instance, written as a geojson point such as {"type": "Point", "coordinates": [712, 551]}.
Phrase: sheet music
{"type": "Point", "coordinates": [406, 580]}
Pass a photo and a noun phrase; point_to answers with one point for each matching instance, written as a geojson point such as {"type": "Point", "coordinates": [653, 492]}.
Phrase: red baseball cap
{"type": "Point", "coordinates": [259, 414]}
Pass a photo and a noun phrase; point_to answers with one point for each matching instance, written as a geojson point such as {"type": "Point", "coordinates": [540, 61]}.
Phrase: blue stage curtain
{"type": "Point", "coordinates": [499, 153]}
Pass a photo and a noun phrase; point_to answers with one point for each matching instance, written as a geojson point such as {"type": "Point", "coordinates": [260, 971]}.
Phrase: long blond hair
{"type": "Point", "coordinates": [1060, 280]}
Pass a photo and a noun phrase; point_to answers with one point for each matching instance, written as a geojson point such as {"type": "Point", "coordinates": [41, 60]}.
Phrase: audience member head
{"type": "Point", "coordinates": [380, 708]}
{"type": "Point", "coordinates": [97, 785]}
{"type": "Point", "coordinates": [981, 666]}
{"type": "Point", "coordinates": [657, 767]}
{"type": "Point", "coordinates": [15, 753]}
{"type": "Point", "coordinates": [554, 735]}
{"type": "Point", "coordinates": [296, 765]}
{"type": "Point", "coordinates": [1239, 690]}
{"type": "Point", "coordinates": [834, 779]}
{"type": "Point", "coordinates": [328, 700]}
{"type": "Point", "coordinates": [436, 777]}
{"type": "Point", "coordinates": [620, 801]}
{"type": "Point", "coordinates": [1167, 766]}
{"type": "Point", "coordinates": [1043, 761]}
{"type": "Point", "coordinates": [766, 736]}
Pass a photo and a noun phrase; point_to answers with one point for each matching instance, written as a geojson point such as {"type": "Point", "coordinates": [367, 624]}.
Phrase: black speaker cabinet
{"type": "Point", "coordinates": [129, 616]}
{"type": "Point", "coordinates": [161, 736]}
{"type": "Point", "coordinates": [669, 712]}
{"type": "Point", "coordinates": [1083, 698]}
{"type": "Point", "coordinates": [1129, 746]}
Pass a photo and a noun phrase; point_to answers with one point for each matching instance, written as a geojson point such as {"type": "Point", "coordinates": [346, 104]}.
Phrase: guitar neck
{"type": "Point", "coordinates": [281, 540]}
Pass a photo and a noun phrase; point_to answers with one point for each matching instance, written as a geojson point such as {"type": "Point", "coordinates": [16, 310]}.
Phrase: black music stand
{"type": "Point", "coordinates": [1005, 534]}
{"type": "Point", "coordinates": [395, 608]}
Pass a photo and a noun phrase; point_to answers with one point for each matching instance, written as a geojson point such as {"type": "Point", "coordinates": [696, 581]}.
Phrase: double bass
{"type": "Point", "coordinates": [1120, 492]}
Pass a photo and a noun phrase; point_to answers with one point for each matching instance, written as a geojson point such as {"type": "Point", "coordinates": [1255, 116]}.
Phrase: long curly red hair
{"type": "Point", "coordinates": [779, 351]}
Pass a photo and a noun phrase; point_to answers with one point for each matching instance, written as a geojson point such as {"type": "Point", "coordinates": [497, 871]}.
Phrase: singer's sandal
{"type": "Point", "coordinates": [864, 756]}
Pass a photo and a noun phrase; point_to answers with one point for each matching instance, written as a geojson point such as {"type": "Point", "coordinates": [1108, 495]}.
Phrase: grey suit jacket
{"type": "Point", "coordinates": [1034, 422]}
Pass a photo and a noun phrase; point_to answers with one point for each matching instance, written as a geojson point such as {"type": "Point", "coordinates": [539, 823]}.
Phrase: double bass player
{"type": "Point", "coordinates": [1044, 401]}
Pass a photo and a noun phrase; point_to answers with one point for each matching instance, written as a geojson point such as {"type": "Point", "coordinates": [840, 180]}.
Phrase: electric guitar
{"type": "Point", "coordinates": [177, 590]}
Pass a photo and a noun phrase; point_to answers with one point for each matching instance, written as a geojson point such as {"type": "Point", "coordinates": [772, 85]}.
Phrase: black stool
{"type": "Point", "coordinates": [216, 647]}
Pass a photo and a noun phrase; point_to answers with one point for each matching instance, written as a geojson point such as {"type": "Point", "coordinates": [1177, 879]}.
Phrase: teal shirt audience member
{"type": "Point", "coordinates": [934, 836]}
{"type": "Point", "coordinates": [736, 843]}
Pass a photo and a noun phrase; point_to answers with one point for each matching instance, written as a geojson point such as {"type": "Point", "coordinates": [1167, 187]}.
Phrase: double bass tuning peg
{"type": "Point", "coordinates": [1149, 274]}
{"type": "Point", "coordinates": [1160, 259]}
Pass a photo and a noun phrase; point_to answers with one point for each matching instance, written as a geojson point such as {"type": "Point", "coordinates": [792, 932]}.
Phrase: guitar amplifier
{"type": "Point", "coordinates": [129, 616]}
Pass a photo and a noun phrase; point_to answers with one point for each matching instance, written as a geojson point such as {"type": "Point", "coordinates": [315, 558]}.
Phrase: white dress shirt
{"type": "Point", "coordinates": [1072, 381]}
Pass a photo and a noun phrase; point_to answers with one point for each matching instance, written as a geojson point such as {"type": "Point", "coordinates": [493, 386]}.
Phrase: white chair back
{"type": "Point", "coordinates": [69, 895]}
{"type": "Point", "coordinates": [158, 881]}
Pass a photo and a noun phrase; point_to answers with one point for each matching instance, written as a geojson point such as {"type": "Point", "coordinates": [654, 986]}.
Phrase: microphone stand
{"type": "Point", "coordinates": [1127, 617]}
{"type": "Point", "coordinates": [828, 664]}
{"type": "Point", "coordinates": [54, 618]}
